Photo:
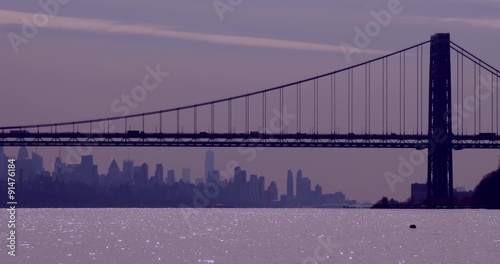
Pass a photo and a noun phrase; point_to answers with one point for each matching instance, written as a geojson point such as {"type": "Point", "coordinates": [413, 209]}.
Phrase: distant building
{"type": "Point", "coordinates": [289, 187]}
{"type": "Point", "coordinates": [462, 196]}
{"type": "Point", "coordinates": [199, 181]}
{"type": "Point", "coordinates": [418, 193]}
{"type": "Point", "coordinates": [273, 192]}
{"type": "Point", "coordinates": [318, 195]}
{"type": "Point", "coordinates": [88, 170]}
{"type": "Point", "coordinates": [337, 198]}
{"type": "Point", "coordinates": [209, 164]}
{"type": "Point", "coordinates": [261, 188]}
{"type": "Point", "coordinates": [25, 164]}
{"type": "Point", "coordinates": [22, 154]}
{"type": "Point", "coordinates": [186, 175]}
{"type": "Point", "coordinates": [240, 178]}
{"type": "Point", "coordinates": [128, 170]}
{"type": "Point", "coordinates": [113, 176]}
{"type": "Point", "coordinates": [59, 168]}
{"type": "Point", "coordinates": [213, 176]}
{"type": "Point", "coordinates": [306, 191]}
{"type": "Point", "coordinates": [298, 187]}
{"type": "Point", "coordinates": [252, 188]}
{"type": "Point", "coordinates": [158, 177]}
{"type": "Point", "coordinates": [145, 170]}
{"type": "Point", "coordinates": [141, 174]}
{"type": "Point", "coordinates": [170, 177]}
{"type": "Point", "coordinates": [37, 161]}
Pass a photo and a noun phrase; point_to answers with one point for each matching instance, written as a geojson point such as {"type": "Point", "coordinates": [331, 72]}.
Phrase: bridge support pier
{"type": "Point", "coordinates": [440, 158]}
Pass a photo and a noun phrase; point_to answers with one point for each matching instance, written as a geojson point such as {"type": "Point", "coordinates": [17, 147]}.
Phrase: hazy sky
{"type": "Point", "coordinates": [91, 52]}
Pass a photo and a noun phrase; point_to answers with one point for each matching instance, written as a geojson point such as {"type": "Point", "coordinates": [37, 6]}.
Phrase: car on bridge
{"type": "Point", "coordinates": [134, 132]}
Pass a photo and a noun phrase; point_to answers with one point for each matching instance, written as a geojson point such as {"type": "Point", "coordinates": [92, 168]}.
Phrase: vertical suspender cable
{"type": "Point", "coordinates": [475, 94]}
{"type": "Point", "coordinates": [298, 109]}
{"type": "Point", "coordinates": [383, 96]}
{"type": "Point", "coordinates": [422, 90]}
{"type": "Point", "coordinates": [178, 122]}
{"type": "Point", "coordinates": [492, 101]}
{"type": "Point", "coordinates": [229, 116]}
{"type": "Point", "coordinates": [418, 90]}
{"type": "Point", "coordinates": [387, 94]}
{"type": "Point", "coordinates": [404, 92]}
{"type": "Point", "coordinates": [331, 104]}
{"type": "Point", "coordinates": [458, 95]}
{"type": "Point", "coordinates": [195, 110]}
{"type": "Point", "coordinates": [334, 103]}
{"type": "Point", "coordinates": [400, 96]}
{"type": "Point", "coordinates": [366, 100]}
{"type": "Point", "coordinates": [462, 90]}
{"type": "Point", "coordinates": [479, 84]}
{"type": "Point", "coordinates": [212, 123]}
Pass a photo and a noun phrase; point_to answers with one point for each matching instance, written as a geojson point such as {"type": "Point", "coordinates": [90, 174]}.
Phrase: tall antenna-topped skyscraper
{"type": "Point", "coordinates": [209, 163]}
{"type": "Point", "coordinates": [289, 187]}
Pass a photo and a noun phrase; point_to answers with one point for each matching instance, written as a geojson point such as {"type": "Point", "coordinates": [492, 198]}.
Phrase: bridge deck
{"type": "Point", "coordinates": [253, 139]}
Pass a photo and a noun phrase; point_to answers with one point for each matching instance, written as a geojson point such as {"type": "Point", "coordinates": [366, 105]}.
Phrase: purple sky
{"type": "Point", "coordinates": [91, 52]}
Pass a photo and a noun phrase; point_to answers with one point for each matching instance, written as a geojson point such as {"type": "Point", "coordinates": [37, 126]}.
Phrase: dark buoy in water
{"type": "Point", "coordinates": [413, 226]}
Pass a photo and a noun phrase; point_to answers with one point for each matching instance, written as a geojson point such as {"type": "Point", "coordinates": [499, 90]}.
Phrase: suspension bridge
{"type": "Point", "coordinates": [386, 102]}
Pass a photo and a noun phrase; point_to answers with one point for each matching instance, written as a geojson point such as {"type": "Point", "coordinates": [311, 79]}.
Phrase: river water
{"type": "Point", "coordinates": [252, 236]}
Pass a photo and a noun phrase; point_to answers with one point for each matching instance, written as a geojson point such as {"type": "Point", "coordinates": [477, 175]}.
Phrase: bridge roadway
{"type": "Point", "coordinates": [252, 139]}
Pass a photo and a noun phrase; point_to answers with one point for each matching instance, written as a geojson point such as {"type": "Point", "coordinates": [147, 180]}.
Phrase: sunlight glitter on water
{"type": "Point", "coordinates": [250, 236]}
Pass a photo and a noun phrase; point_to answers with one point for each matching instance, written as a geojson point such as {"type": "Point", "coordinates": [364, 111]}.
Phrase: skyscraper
{"type": "Point", "coordinates": [128, 170]}
{"type": "Point", "coordinates": [214, 176]}
{"type": "Point", "coordinates": [298, 187]}
{"type": "Point", "coordinates": [159, 173]}
{"type": "Point", "coordinates": [186, 175]}
{"type": "Point", "coordinates": [289, 187]}
{"type": "Point", "coordinates": [170, 177]}
{"type": "Point", "coordinates": [145, 170]}
{"type": "Point", "coordinates": [252, 187]}
{"type": "Point", "coordinates": [306, 191]}
{"type": "Point", "coordinates": [273, 191]}
{"type": "Point", "coordinates": [87, 169]}
{"type": "Point", "coordinates": [261, 189]}
{"type": "Point", "coordinates": [59, 167]}
{"type": "Point", "coordinates": [141, 174]}
{"type": "Point", "coordinates": [113, 169]}
{"type": "Point", "coordinates": [209, 164]}
{"type": "Point", "coordinates": [240, 178]}
{"type": "Point", "coordinates": [114, 173]}
{"type": "Point", "coordinates": [23, 153]}
{"type": "Point", "coordinates": [37, 161]}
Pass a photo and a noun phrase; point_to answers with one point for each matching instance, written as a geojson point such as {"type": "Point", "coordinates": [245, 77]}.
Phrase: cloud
{"type": "Point", "coordinates": [474, 22]}
{"type": "Point", "coordinates": [491, 23]}
{"type": "Point", "coordinates": [98, 25]}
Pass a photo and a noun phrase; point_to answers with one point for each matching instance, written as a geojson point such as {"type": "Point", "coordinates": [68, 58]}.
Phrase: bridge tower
{"type": "Point", "coordinates": [440, 159]}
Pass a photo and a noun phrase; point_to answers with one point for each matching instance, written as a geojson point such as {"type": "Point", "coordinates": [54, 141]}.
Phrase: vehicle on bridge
{"type": "Point", "coordinates": [134, 132]}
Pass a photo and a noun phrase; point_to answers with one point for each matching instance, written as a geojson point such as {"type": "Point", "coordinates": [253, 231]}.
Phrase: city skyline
{"type": "Point", "coordinates": [182, 173]}
{"type": "Point", "coordinates": [87, 172]}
